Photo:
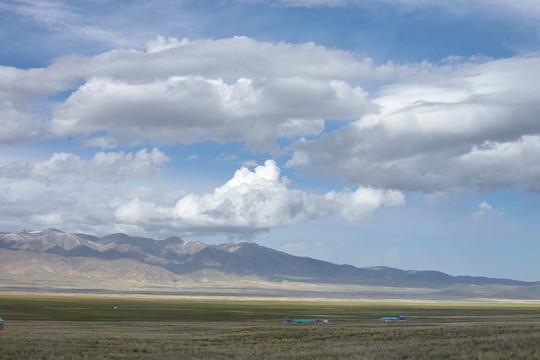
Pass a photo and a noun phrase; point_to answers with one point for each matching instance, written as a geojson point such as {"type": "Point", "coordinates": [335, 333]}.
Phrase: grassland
{"type": "Point", "coordinates": [53, 326]}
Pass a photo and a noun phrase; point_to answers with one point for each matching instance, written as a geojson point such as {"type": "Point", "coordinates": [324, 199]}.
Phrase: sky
{"type": "Point", "coordinates": [401, 133]}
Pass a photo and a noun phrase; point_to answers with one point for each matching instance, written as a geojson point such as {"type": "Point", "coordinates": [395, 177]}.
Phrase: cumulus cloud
{"type": "Point", "coordinates": [96, 195]}
{"type": "Point", "coordinates": [183, 97]}
{"type": "Point", "coordinates": [468, 125]}
{"type": "Point", "coordinates": [76, 194]}
{"type": "Point", "coordinates": [235, 89]}
{"type": "Point", "coordinates": [254, 201]}
{"type": "Point", "coordinates": [434, 127]}
{"type": "Point", "coordinates": [192, 109]}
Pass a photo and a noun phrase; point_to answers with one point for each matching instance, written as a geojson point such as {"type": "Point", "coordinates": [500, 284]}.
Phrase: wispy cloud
{"type": "Point", "coordinates": [523, 9]}
{"type": "Point", "coordinates": [69, 20]}
{"type": "Point", "coordinates": [54, 14]}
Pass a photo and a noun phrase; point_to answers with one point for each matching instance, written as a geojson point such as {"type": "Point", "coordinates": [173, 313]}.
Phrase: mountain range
{"type": "Point", "coordinates": [53, 256]}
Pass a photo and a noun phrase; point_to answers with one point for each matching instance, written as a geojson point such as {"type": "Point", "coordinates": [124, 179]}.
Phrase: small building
{"type": "Point", "coordinates": [393, 318]}
{"type": "Point", "coordinates": [304, 321]}
{"type": "Point", "coordinates": [1, 324]}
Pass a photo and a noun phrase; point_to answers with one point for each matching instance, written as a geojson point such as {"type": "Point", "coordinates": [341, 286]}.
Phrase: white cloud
{"type": "Point", "coordinates": [484, 208]}
{"type": "Point", "coordinates": [116, 166]}
{"type": "Point", "coordinates": [191, 109]}
{"type": "Point", "coordinates": [51, 219]}
{"type": "Point", "coordinates": [102, 142]}
{"type": "Point", "coordinates": [49, 13]}
{"type": "Point", "coordinates": [67, 20]}
{"type": "Point", "coordinates": [528, 9]}
{"type": "Point", "coordinates": [104, 167]}
{"type": "Point", "coordinates": [74, 194]}
{"type": "Point", "coordinates": [362, 203]}
{"type": "Point", "coordinates": [95, 195]}
{"type": "Point", "coordinates": [18, 125]}
{"type": "Point", "coordinates": [59, 164]}
{"type": "Point", "coordinates": [504, 164]}
{"type": "Point", "coordinates": [235, 89]}
{"type": "Point", "coordinates": [161, 43]}
{"type": "Point", "coordinates": [227, 157]}
{"type": "Point", "coordinates": [254, 201]}
{"type": "Point", "coordinates": [20, 92]}
{"type": "Point", "coordinates": [249, 163]}
{"type": "Point", "coordinates": [468, 125]}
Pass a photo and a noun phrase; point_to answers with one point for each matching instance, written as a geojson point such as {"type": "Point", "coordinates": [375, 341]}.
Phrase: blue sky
{"type": "Point", "coordinates": [402, 133]}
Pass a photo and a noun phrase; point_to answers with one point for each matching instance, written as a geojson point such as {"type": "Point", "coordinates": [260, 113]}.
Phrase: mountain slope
{"type": "Point", "coordinates": [52, 251]}
{"type": "Point", "coordinates": [46, 265]}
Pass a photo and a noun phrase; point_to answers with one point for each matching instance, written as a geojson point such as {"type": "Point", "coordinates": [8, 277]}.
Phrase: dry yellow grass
{"type": "Point", "coordinates": [270, 340]}
{"type": "Point", "coordinates": [89, 326]}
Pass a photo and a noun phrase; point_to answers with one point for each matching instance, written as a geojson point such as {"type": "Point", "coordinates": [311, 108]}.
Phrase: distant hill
{"type": "Point", "coordinates": [52, 253]}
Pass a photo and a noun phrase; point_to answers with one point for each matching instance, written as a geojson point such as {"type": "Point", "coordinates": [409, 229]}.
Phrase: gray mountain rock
{"type": "Point", "coordinates": [176, 257]}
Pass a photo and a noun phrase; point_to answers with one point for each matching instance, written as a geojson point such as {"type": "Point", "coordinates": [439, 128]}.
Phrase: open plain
{"type": "Point", "coordinates": [106, 326]}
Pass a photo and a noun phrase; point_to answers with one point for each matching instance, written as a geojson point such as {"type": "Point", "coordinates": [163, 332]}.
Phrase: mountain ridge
{"type": "Point", "coordinates": [173, 260]}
